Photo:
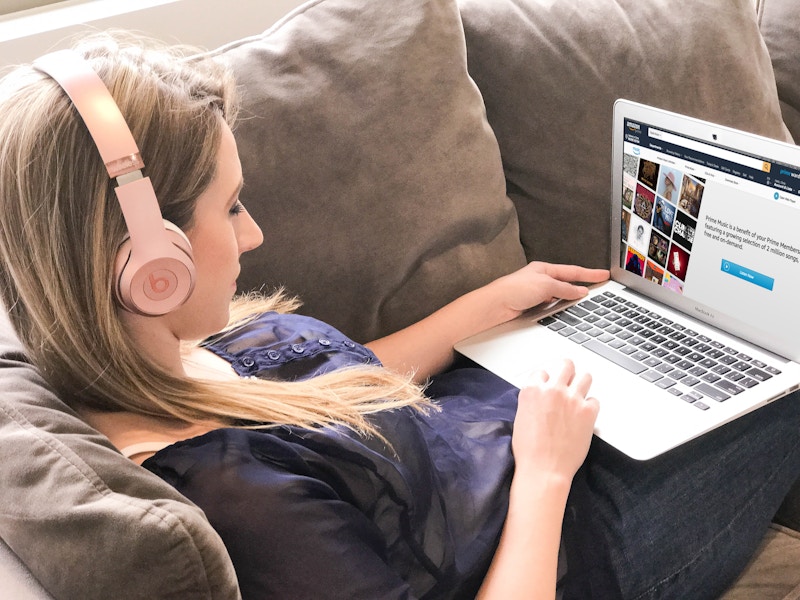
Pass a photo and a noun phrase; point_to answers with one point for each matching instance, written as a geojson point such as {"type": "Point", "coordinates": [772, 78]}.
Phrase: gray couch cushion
{"type": "Point", "coordinates": [550, 72]}
{"type": "Point", "coordinates": [18, 581]}
{"type": "Point", "coordinates": [87, 522]}
{"type": "Point", "coordinates": [780, 27]}
{"type": "Point", "coordinates": [369, 163]}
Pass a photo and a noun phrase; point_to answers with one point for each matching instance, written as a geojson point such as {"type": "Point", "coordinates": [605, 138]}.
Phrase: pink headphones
{"type": "Point", "coordinates": [154, 272]}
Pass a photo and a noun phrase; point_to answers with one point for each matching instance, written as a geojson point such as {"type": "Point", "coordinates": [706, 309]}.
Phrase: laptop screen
{"type": "Point", "coordinates": [716, 226]}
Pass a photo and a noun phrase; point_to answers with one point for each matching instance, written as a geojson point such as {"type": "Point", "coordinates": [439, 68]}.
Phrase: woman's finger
{"type": "Point", "coordinates": [567, 373]}
{"type": "Point", "coordinates": [582, 383]}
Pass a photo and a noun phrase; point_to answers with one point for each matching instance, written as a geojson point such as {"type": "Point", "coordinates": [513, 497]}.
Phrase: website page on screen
{"type": "Point", "coordinates": [720, 227]}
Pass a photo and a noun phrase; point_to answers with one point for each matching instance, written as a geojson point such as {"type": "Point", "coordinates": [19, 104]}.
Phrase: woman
{"type": "Point", "coordinates": [323, 466]}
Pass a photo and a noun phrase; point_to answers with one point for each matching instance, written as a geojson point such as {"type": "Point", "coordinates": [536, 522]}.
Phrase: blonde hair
{"type": "Point", "coordinates": [61, 226]}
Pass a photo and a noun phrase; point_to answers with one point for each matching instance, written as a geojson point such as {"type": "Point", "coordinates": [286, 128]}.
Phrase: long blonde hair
{"type": "Point", "coordinates": [61, 226]}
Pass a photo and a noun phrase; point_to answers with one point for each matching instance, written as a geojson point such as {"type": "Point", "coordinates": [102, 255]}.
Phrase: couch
{"type": "Point", "coordinates": [398, 153]}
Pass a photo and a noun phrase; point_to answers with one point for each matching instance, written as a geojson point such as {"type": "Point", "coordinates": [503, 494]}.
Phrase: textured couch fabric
{"type": "Point", "coordinates": [370, 164]}
{"type": "Point", "coordinates": [87, 522]}
{"type": "Point", "coordinates": [398, 153]}
{"type": "Point", "coordinates": [780, 27]}
{"type": "Point", "coordinates": [550, 80]}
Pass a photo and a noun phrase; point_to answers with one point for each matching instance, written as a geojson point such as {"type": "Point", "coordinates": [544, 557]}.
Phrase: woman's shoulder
{"type": "Point", "coordinates": [288, 346]}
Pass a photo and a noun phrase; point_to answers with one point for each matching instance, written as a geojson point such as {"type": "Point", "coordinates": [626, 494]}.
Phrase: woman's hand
{"type": "Point", "coordinates": [554, 423]}
{"type": "Point", "coordinates": [539, 282]}
{"type": "Point", "coordinates": [426, 348]}
{"type": "Point", "coordinates": [552, 432]}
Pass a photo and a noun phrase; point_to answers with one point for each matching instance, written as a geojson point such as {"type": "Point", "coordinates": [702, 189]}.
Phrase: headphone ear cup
{"type": "Point", "coordinates": [179, 240]}
{"type": "Point", "coordinates": [158, 284]}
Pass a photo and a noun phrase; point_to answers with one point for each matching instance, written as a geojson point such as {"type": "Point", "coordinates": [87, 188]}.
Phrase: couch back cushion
{"type": "Point", "coordinates": [550, 72]}
{"type": "Point", "coordinates": [369, 163]}
{"type": "Point", "coordinates": [780, 26]}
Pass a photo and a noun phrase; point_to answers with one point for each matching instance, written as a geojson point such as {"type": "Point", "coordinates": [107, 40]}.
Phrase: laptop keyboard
{"type": "Point", "coordinates": [683, 362]}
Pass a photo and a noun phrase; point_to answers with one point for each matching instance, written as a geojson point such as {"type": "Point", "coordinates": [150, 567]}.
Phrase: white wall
{"type": "Point", "coordinates": [205, 23]}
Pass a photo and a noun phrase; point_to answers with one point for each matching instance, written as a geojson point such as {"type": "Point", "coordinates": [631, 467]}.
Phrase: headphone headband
{"type": "Point", "coordinates": [97, 108]}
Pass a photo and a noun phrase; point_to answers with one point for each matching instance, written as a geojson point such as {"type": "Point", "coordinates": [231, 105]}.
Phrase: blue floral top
{"type": "Point", "coordinates": [328, 514]}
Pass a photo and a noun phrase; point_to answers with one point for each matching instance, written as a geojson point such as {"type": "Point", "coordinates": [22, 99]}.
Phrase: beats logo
{"type": "Point", "coordinates": [160, 284]}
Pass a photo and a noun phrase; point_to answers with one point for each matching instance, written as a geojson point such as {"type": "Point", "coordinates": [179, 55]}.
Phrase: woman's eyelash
{"type": "Point", "coordinates": [237, 208]}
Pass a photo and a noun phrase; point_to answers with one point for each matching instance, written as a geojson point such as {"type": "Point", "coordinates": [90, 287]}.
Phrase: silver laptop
{"type": "Point", "coordinates": [699, 323]}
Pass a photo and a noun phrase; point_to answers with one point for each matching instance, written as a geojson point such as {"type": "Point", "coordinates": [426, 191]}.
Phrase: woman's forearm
{"type": "Point", "coordinates": [426, 347]}
{"type": "Point", "coordinates": [526, 562]}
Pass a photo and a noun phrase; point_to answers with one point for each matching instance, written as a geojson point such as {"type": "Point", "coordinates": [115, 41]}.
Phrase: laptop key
{"type": "Point", "coordinates": [577, 311]}
{"type": "Point", "coordinates": [579, 337]}
{"type": "Point", "coordinates": [568, 318]}
{"type": "Point", "coordinates": [758, 374]}
{"type": "Point", "coordinates": [651, 376]}
{"type": "Point", "coordinates": [665, 383]}
{"type": "Point", "coordinates": [617, 358]}
{"type": "Point", "coordinates": [712, 392]}
{"type": "Point", "coordinates": [748, 382]}
{"type": "Point", "coordinates": [729, 387]}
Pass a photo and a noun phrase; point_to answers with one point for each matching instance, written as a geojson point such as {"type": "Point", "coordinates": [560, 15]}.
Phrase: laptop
{"type": "Point", "coordinates": [699, 322]}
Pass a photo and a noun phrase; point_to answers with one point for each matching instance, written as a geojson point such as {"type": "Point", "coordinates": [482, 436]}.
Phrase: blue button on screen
{"type": "Point", "coordinates": [746, 274]}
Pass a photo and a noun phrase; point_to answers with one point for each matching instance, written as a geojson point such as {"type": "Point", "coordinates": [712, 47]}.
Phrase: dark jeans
{"type": "Point", "coordinates": [684, 524]}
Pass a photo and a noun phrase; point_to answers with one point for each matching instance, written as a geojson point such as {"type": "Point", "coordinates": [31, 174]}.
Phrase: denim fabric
{"type": "Point", "coordinates": [684, 524]}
